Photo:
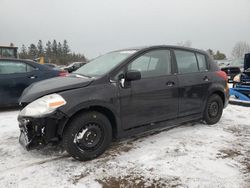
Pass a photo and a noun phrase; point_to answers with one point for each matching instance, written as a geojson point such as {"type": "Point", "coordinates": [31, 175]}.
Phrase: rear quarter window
{"type": "Point", "coordinates": [202, 62]}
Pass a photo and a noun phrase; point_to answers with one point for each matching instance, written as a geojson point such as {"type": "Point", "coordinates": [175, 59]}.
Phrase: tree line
{"type": "Point", "coordinates": [217, 56]}
{"type": "Point", "coordinates": [60, 53]}
{"type": "Point", "coordinates": [53, 52]}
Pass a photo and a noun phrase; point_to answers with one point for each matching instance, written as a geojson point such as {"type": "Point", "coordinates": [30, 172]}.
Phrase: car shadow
{"type": "Point", "coordinates": [116, 148]}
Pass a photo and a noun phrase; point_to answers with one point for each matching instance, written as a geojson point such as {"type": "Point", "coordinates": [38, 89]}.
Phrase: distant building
{"type": "Point", "coordinates": [8, 51]}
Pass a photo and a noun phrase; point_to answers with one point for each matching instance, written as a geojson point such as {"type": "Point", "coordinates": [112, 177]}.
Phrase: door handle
{"type": "Point", "coordinates": [170, 84]}
{"type": "Point", "coordinates": [32, 77]}
{"type": "Point", "coordinates": [206, 79]}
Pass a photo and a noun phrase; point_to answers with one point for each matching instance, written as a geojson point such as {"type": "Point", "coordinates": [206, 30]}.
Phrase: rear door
{"type": "Point", "coordinates": [153, 98]}
{"type": "Point", "coordinates": [15, 76]}
{"type": "Point", "coordinates": [194, 80]}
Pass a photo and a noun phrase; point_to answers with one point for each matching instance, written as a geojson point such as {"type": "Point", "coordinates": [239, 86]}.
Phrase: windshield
{"type": "Point", "coordinates": [103, 64]}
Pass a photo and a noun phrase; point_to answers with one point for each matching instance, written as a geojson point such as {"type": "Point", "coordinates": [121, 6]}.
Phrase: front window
{"type": "Point", "coordinates": [153, 64]}
{"type": "Point", "coordinates": [103, 64]}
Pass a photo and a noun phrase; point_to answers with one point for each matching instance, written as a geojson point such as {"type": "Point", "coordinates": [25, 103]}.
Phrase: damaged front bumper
{"type": "Point", "coordinates": [38, 132]}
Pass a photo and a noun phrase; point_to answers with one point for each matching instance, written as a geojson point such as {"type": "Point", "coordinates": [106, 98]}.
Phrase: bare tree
{"type": "Point", "coordinates": [240, 49]}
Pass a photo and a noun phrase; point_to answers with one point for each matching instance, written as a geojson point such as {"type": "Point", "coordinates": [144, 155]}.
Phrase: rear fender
{"type": "Point", "coordinates": [219, 89]}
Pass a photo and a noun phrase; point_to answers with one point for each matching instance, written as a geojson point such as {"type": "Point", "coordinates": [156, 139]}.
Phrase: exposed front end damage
{"type": "Point", "coordinates": [38, 132]}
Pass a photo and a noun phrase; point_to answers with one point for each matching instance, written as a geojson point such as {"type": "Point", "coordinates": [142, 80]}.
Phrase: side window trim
{"type": "Point", "coordinates": [208, 68]}
{"type": "Point", "coordinates": [197, 61]}
{"type": "Point", "coordinates": [174, 66]}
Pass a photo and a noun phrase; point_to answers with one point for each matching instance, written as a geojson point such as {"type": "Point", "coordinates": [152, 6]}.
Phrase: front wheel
{"type": "Point", "coordinates": [87, 136]}
{"type": "Point", "coordinates": [213, 110]}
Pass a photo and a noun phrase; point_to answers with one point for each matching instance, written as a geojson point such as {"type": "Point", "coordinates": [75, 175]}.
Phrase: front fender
{"type": "Point", "coordinates": [86, 98]}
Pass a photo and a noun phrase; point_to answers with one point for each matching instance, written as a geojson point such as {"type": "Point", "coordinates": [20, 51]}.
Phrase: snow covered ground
{"type": "Point", "coordinates": [193, 155]}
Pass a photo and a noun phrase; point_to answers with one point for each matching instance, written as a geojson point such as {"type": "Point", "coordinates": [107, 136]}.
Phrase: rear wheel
{"type": "Point", "coordinates": [213, 110]}
{"type": "Point", "coordinates": [87, 136]}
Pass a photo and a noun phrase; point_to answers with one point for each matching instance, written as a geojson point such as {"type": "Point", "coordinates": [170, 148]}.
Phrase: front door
{"type": "Point", "coordinates": [154, 97]}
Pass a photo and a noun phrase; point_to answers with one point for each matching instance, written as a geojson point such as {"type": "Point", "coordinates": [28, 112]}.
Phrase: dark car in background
{"type": "Point", "coordinates": [17, 74]}
{"type": "Point", "coordinates": [231, 72]}
{"type": "Point", "coordinates": [244, 77]}
{"type": "Point", "coordinates": [120, 94]}
{"type": "Point", "coordinates": [51, 65]}
{"type": "Point", "coordinates": [238, 63]}
{"type": "Point", "coordinates": [234, 68]}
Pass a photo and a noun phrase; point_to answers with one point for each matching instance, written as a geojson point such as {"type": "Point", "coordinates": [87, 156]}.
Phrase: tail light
{"type": "Point", "coordinates": [222, 74]}
{"type": "Point", "coordinates": [63, 73]}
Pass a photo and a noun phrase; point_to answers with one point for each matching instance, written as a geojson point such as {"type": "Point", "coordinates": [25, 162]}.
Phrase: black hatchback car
{"type": "Point", "coordinates": [17, 74]}
{"type": "Point", "coordinates": [120, 94]}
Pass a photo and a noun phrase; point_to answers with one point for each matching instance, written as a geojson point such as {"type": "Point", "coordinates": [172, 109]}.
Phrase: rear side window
{"type": "Point", "coordinates": [202, 62]}
{"type": "Point", "coordinates": [186, 62]}
{"type": "Point", "coordinates": [152, 64]}
{"type": "Point", "coordinates": [11, 67]}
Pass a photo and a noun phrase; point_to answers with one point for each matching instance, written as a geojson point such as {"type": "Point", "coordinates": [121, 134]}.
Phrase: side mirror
{"type": "Point", "coordinates": [132, 75]}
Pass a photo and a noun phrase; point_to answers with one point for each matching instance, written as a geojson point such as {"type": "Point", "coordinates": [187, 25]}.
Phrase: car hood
{"type": "Point", "coordinates": [53, 85]}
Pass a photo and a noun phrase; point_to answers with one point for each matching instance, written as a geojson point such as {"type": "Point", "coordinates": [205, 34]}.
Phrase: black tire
{"type": "Point", "coordinates": [213, 110]}
{"type": "Point", "coordinates": [93, 125]}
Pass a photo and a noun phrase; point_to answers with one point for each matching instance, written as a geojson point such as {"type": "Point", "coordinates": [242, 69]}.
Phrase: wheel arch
{"type": "Point", "coordinates": [221, 94]}
{"type": "Point", "coordinates": [219, 89]}
{"type": "Point", "coordinates": [114, 120]}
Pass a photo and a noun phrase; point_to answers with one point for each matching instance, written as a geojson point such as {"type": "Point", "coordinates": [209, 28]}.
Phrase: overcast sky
{"type": "Point", "coordinates": [94, 27]}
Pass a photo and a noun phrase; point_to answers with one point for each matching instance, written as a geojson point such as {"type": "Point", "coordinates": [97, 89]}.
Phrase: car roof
{"type": "Point", "coordinates": [8, 47]}
{"type": "Point", "coordinates": [29, 61]}
{"type": "Point", "coordinates": [162, 46]}
{"type": "Point", "coordinates": [16, 59]}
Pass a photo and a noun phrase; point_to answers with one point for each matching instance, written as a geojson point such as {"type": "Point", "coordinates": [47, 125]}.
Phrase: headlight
{"type": "Point", "coordinates": [44, 105]}
{"type": "Point", "coordinates": [237, 78]}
